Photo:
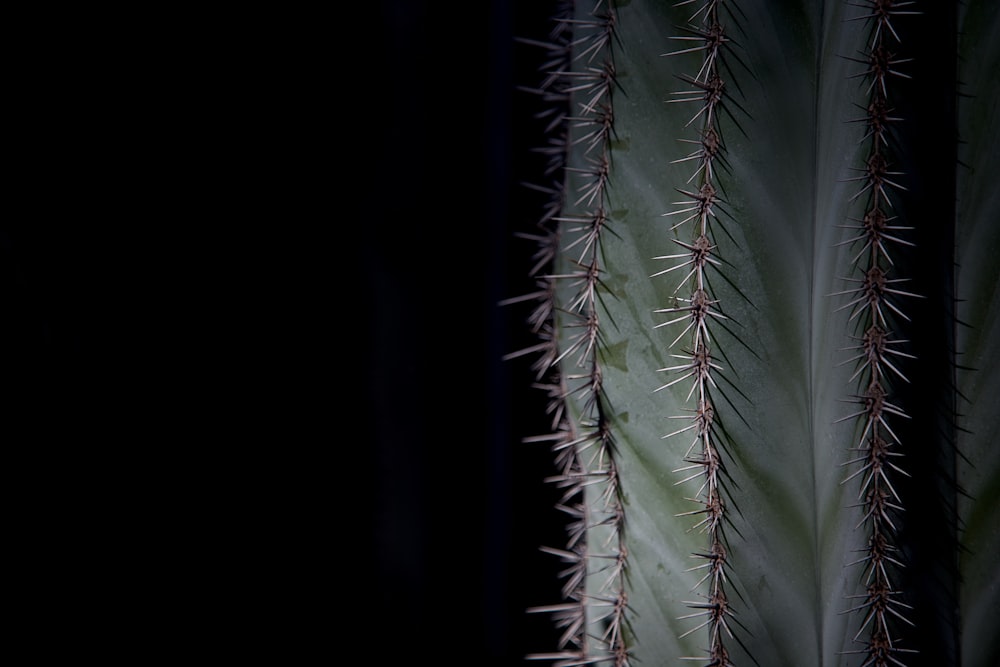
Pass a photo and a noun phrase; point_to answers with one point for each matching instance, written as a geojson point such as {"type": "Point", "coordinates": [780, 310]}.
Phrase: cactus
{"type": "Point", "coordinates": [767, 330]}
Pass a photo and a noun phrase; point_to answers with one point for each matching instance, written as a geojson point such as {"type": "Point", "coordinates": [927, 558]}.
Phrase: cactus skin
{"type": "Point", "coordinates": [824, 534]}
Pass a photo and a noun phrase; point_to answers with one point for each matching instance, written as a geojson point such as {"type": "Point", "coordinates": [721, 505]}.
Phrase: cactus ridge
{"type": "Point", "coordinates": [874, 299]}
{"type": "Point", "coordinates": [580, 76]}
{"type": "Point", "coordinates": [699, 313]}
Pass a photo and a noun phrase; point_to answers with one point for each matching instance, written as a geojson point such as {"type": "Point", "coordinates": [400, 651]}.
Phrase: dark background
{"type": "Point", "coordinates": [460, 505]}
{"type": "Point", "coordinates": [253, 375]}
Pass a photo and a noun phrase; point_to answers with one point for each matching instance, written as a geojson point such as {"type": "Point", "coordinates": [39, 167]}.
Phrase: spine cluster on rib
{"type": "Point", "coordinates": [696, 311]}
{"type": "Point", "coordinates": [580, 79]}
{"type": "Point", "coordinates": [875, 295]}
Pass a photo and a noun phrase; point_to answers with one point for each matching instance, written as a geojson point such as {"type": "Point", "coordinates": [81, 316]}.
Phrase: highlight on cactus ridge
{"type": "Point", "coordinates": [767, 326]}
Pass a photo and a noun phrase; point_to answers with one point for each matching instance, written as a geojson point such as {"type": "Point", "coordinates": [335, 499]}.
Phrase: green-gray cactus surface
{"type": "Point", "coordinates": [768, 315]}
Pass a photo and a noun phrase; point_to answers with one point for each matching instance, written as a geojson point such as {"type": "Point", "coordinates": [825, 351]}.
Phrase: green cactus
{"type": "Point", "coordinates": [767, 326]}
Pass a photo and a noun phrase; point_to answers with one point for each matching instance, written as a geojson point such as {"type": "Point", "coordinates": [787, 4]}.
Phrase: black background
{"type": "Point", "coordinates": [255, 400]}
{"type": "Point", "coordinates": [461, 507]}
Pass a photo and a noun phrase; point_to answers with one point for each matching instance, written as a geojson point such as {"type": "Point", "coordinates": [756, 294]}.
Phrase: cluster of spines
{"type": "Point", "coordinates": [875, 296]}
{"type": "Point", "coordinates": [699, 312]}
{"type": "Point", "coordinates": [579, 79]}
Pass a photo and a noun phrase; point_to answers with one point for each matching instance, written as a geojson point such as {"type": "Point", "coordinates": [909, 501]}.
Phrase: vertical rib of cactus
{"type": "Point", "coordinates": [592, 615]}
{"type": "Point", "coordinates": [706, 34]}
{"type": "Point", "coordinates": [875, 298]}
{"type": "Point", "coordinates": [591, 83]}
